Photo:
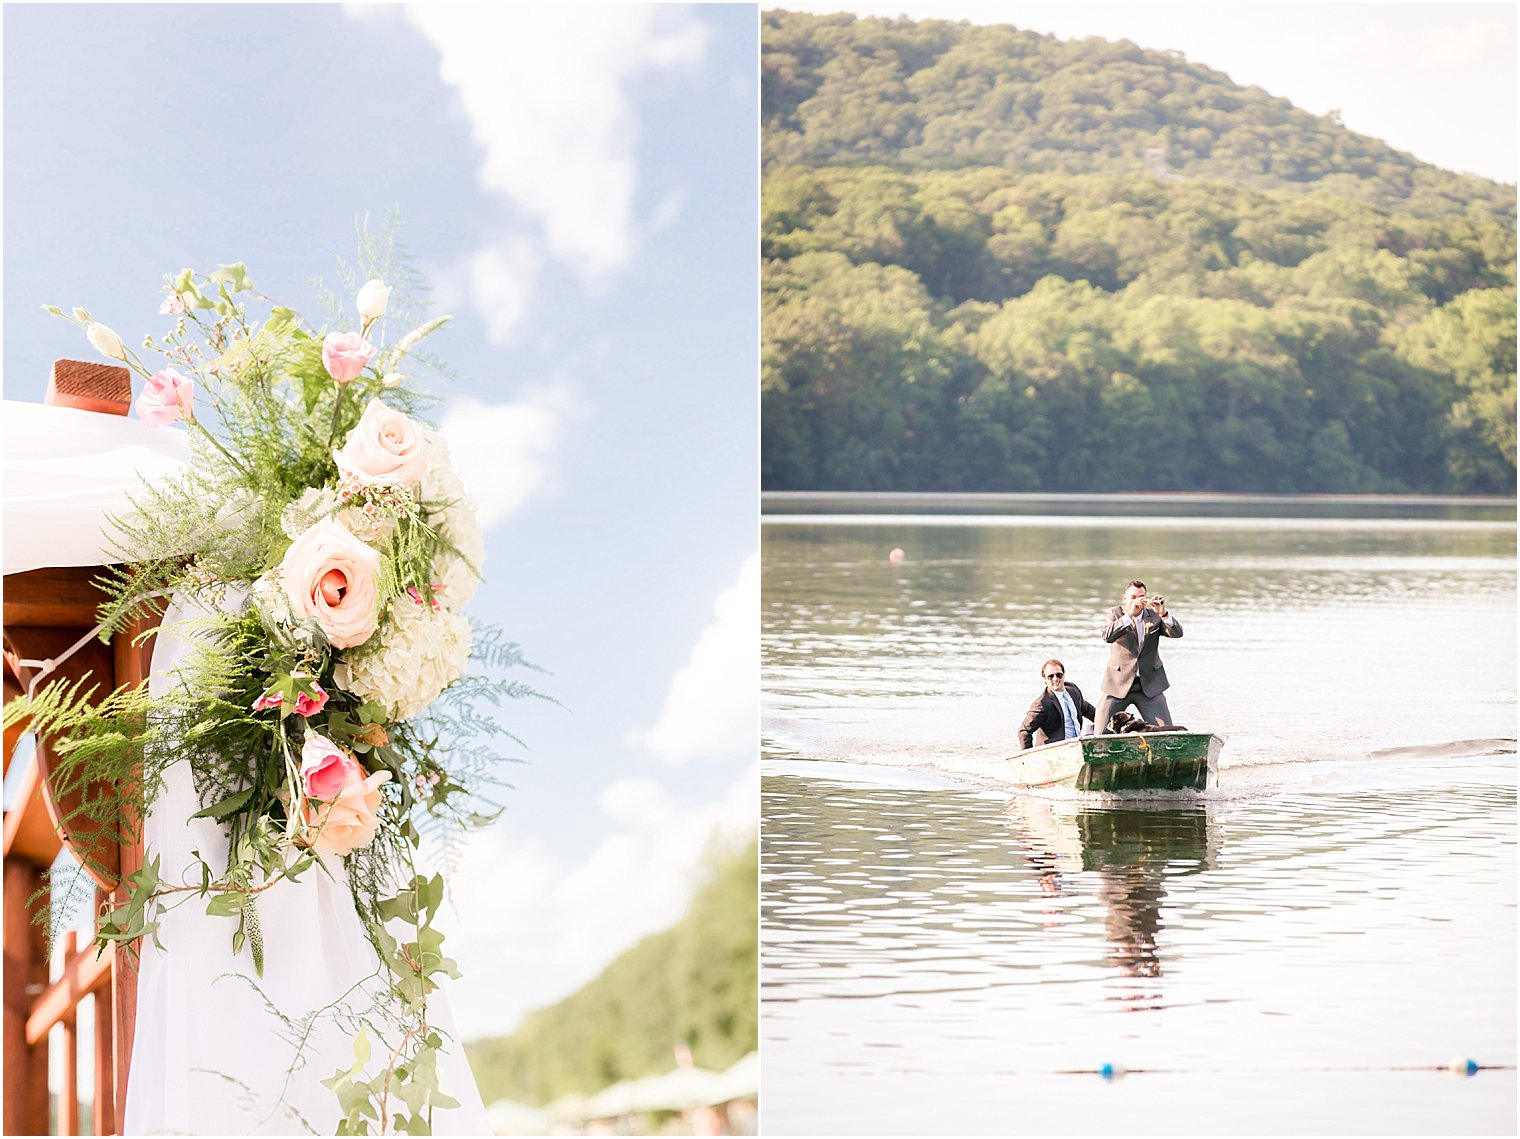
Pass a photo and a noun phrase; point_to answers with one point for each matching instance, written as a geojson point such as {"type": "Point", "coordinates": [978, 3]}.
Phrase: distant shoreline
{"type": "Point", "coordinates": [1189, 503]}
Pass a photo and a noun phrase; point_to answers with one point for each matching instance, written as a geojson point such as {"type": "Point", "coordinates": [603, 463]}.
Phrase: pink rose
{"type": "Point", "coordinates": [326, 769]}
{"type": "Point", "coordinates": [270, 699]}
{"type": "Point", "coordinates": [329, 574]}
{"type": "Point", "coordinates": [173, 305]}
{"type": "Point", "coordinates": [384, 447]}
{"type": "Point", "coordinates": [349, 821]}
{"type": "Point", "coordinates": [167, 398]}
{"type": "Point", "coordinates": [309, 704]}
{"type": "Point", "coordinates": [346, 354]}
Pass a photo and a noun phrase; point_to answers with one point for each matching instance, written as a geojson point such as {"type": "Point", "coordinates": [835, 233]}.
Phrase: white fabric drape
{"type": "Point", "coordinates": [222, 1051]}
{"type": "Point", "coordinates": [66, 471]}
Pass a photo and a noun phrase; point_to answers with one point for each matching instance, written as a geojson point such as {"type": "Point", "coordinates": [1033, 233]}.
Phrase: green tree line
{"type": "Point", "coordinates": [936, 94]}
{"type": "Point", "coordinates": [696, 983]}
{"type": "Point", "coordinates": [986, 328]}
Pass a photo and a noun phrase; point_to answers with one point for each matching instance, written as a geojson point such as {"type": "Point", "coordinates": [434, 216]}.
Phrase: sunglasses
{"type": "Point", "coordinates": [1055, 676]}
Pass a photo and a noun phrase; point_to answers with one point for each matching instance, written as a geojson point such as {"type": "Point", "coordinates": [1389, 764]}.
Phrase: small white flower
{"type": "Point", "coordinates": [391, 380]}
{"type": "Point", "coordinates": [106, 342]}
{"type": "Point", "coordinates": [82, 316]}
{"type": "Point", "coordinates": [416, 335]}
{"type": "Point", "coordinates": [373, 298]}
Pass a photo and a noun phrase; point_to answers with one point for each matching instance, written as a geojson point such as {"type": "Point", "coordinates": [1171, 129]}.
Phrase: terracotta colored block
{"type": "Point", "coordinates": [106, 388]}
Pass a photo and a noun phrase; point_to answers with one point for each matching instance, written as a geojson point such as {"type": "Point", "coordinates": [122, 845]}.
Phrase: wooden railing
{"type": "Point", "coordinates": [46, 611]}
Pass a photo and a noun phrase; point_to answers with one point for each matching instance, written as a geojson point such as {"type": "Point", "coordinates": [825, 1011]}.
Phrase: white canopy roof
{"type": "Point", "coordinates": [66, 470]}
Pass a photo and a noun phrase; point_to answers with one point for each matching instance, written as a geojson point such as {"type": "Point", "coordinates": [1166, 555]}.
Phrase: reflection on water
{"type": "Point", "coordinates": [936, 947]}
{"type": "Point", "coordinates": [1131, 850]}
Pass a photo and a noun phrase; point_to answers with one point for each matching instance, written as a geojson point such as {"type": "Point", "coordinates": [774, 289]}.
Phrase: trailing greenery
{"type": "Point", "coordinates": [694, 983]}
{"type": "Point", "coordinates": [1031, 308]}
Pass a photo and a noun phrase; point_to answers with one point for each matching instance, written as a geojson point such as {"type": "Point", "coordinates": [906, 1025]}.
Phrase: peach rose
{"type": "Point", "coordinates": [385, 446]}
{"type": "Point", "coordinates": [344, 824]}
{"type": "Point", "coordinates": [329, 574]}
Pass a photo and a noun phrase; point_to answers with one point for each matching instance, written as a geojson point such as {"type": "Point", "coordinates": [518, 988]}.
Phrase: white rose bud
{"type": "Point", "coordinates": [391, 380]}
{"type": "Point", "coordinates": [372, 300]}
{"type": "Point", "coordinates": [106, 342]}
{"type": "Point", "coordinates": [81, 316]}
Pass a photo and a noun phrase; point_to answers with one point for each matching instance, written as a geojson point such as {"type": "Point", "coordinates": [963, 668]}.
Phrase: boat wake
{"type": "Point", "coordinates": [1249, 769]}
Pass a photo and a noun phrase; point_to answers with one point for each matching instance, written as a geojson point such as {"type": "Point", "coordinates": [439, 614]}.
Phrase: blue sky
{"type": "Point", "coordinates": [581, 189]}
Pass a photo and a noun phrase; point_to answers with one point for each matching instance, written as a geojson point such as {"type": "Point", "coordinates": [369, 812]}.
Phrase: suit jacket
{"type": "Point", "coordinates": [1125, 663]}
{"type": "Point", "coordinates": [1045, 714]}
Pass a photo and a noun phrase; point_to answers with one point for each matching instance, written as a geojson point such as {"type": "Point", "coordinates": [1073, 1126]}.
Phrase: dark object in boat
{"type": "Point", "coordinates": [1124, 721]}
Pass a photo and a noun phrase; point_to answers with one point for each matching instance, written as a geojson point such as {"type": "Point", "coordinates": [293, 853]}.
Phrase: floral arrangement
{"type": "Point", "coordinates": [327, 712]}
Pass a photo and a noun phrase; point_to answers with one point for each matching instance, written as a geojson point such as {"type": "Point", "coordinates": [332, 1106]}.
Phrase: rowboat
{"type": "Point", "coordinates": [1134, 761]}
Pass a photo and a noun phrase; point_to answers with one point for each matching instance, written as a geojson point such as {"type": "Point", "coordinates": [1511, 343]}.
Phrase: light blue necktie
{"type": "Point", "coordinates": [1069, 712]}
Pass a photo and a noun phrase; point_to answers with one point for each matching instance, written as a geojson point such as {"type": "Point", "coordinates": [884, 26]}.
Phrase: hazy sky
{"type": "Point", "coordinates": [1436, 80]}
{"type": "Point", "coordinates": [582, 190]}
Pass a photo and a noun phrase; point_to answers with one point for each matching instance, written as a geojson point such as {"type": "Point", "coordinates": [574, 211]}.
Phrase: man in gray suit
{"type": "Point", "coordinates": [1135, 674]}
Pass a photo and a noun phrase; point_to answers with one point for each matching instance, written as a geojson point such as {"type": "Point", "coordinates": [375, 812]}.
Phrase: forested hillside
{"type": "Point", "coordinates": [696, 982]}
{"type": "Point", "coordinates": [975, 279]}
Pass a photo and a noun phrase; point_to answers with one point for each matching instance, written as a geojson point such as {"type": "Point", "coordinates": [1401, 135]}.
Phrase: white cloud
{"type": "Point", "coordinates": [711, 710]}
{"type": "Point", "coordinates": [504, 452]}
{"type": "Point", "coordinates": [528, 930]}
{"type": "Point", "coordinates": [1474, 43]}
{"type": "Point", "coordinates": [502, 281]}
{"type": "Point", "coordinates": [546, 89]}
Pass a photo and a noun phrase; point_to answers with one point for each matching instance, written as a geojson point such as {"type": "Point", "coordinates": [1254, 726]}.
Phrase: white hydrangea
{"type": "Point", "coordinates": [418, 652]}
{"type": "Point", "coordinates": [305, 512]}
{"type": "Point", "coordinates": [453, 516]}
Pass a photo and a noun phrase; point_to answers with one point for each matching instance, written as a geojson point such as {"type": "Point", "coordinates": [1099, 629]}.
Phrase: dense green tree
{"type": "Point", "coordinates": [994, 260]}
{"type": "Point", "coordinates": [696, 983]}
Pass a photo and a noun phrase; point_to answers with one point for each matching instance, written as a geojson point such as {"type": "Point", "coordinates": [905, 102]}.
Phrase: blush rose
{"type": "Point", "coordinates": [384, 447]}
{"type": "Point", "coordinates": [342, 808]}
{"type": "Point", "coordinates": [346, 354]}
{"type": "Point", "coordinates": [326, 768]}
{"type": "Point", "coordinates": [331, 575]}
{"type": "Point", "coordinates": [167, 398]}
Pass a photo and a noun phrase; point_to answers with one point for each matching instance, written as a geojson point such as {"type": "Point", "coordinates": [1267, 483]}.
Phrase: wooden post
{"type": "Point", "coordinates": [26, 975]}
{"type": "Point", "coordinates": [104, 1107]}
{"type": "Point", "coordinates": [68, 1098]}
{"type": "Point", "coordinates": [132, 665]}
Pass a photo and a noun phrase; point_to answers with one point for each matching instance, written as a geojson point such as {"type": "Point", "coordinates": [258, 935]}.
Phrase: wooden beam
{"type": "Point", "coordinates": [16, 677]}
{"type": "Point", "coordinates": [64, 597]}
{"type": "Point", "coordinates": [29, 832]}
{"type": "Point", "coordinates": [82, 973]}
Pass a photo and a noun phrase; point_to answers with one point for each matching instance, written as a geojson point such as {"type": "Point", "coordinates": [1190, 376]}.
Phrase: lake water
{"type": "Point", "coordinates": [1300, 951]}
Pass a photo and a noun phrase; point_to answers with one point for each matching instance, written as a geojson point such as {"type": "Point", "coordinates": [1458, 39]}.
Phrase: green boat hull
{"type": "Point", "coordinates": [1148, 761]}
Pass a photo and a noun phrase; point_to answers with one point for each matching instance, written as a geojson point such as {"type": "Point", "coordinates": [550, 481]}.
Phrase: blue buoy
{"type": "Point", "coordinates": [1462, 1066]}
{"type": "Point", "coordinates": [1111, 1071]}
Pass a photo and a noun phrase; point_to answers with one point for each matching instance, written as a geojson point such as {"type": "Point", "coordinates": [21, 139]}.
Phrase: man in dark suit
{"type": "Point", "coordinates": [1058, 711]}
{"type": "Point", "coordinates": [1135, 674]}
